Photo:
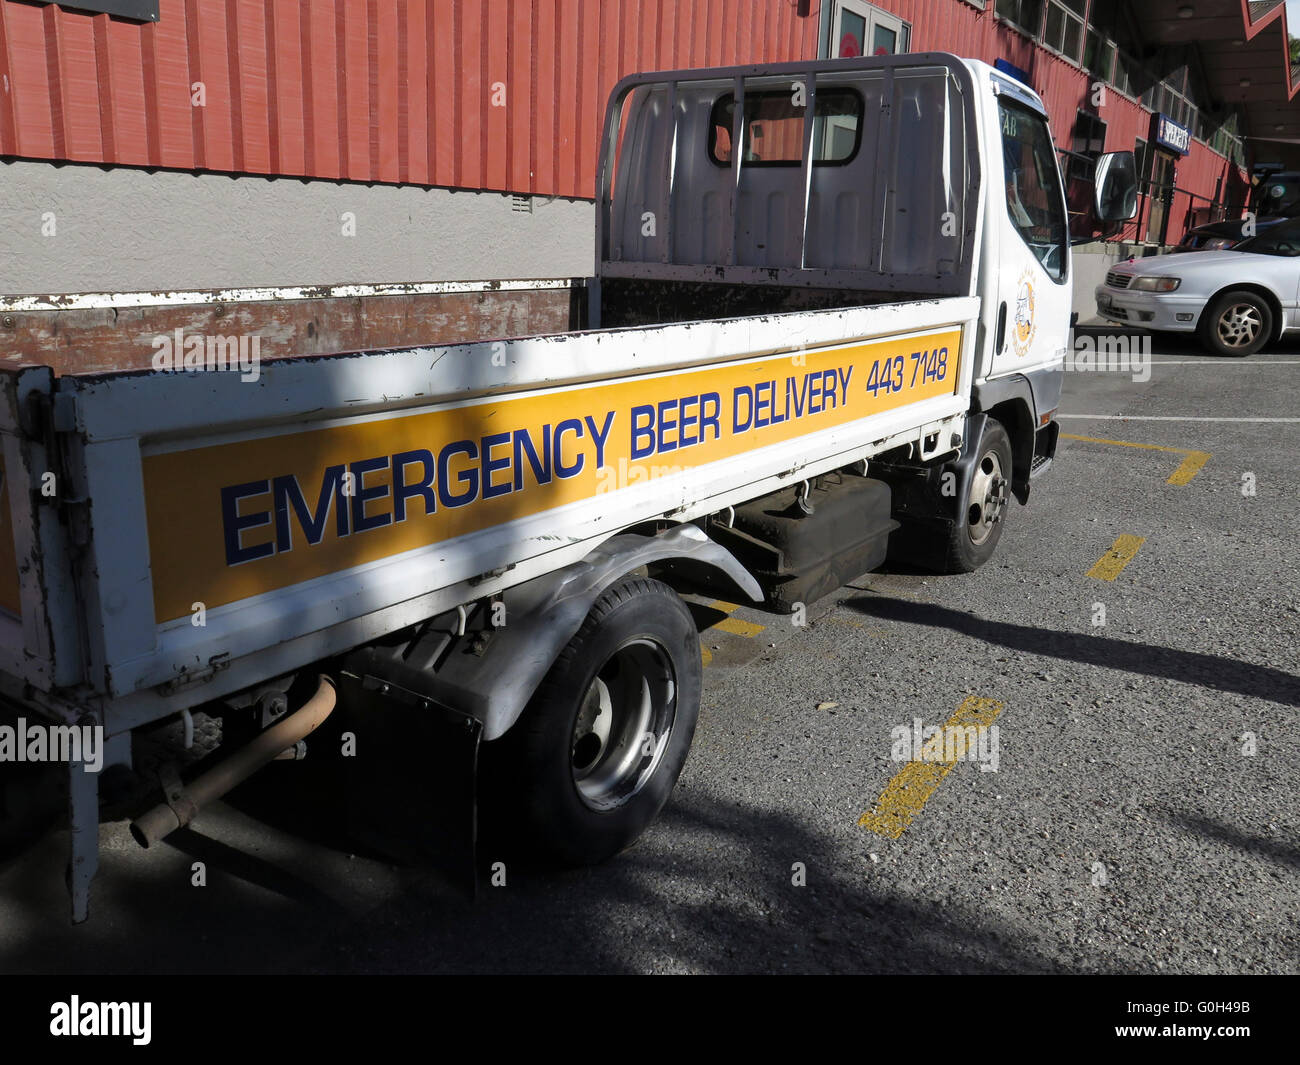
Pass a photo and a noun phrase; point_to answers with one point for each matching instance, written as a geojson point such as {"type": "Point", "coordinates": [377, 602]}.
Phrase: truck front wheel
{"type": "Point", "coordinates": [596, 753]}
{"type": "Point", "coordinates": [975, 534]}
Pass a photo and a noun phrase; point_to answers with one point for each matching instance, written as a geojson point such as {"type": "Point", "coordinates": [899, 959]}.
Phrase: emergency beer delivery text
{"type": "Point", "coordinates": [466, 471]}
{"type": "Point", "coordinates": [327, 499]}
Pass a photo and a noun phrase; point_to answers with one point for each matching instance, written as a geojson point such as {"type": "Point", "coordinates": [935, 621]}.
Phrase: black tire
{"type": "Point", "coordinates": [1236, 323]}
{"type": "Point", "coordinates": [974, 536]}
{"type": "Point", "coordinates": [562, 793]}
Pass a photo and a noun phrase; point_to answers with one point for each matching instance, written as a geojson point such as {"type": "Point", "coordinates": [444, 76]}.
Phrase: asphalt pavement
{"type": "Point", "coordinates": [1135, 642]}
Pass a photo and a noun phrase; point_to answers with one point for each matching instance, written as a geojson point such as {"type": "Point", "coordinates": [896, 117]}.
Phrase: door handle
{"type": "Point", "coordinates": [1000, 337]}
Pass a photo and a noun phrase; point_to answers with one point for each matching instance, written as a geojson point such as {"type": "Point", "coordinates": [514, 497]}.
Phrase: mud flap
{"type": "Point", "coordinates": [411, 783]}
{"type": "Point", "coordinates": [927, 500]}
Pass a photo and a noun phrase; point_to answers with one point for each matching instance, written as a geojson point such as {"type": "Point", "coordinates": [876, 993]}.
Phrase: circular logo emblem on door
{"type": "Point", "coordinates": [1022, 322]}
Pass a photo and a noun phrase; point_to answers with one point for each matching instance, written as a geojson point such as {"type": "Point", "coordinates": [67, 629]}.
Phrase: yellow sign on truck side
{"type": "Point", "coordinates": [233, 520]}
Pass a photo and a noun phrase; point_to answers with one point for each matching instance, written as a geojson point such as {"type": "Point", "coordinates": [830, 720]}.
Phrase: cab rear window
{"type": "Point", "coordinates": [773, 128]}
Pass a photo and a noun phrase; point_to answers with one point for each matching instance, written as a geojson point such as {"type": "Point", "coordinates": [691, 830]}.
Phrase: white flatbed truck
{"type": "Point", "coordinates": [845, 339]}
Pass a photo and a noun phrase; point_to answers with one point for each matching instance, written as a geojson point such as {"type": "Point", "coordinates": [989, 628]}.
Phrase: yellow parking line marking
{"type": "Point", "coordinates": [738, 627]}
{"type": "Point", "coordinates": [706, 656]}
{"type": "Point", "coordinates": [1123, 443]}
{"type": "Point", "coordinates": [1189, 468]}
{"type": "Point", "coordinates": [1191, 464]}
{"type": "Point", "coordinates": [733, 625]}
{"type": "Point", "coordinates": [905, 796]}
{"type": "Point", "coordinates": [1121, 553]}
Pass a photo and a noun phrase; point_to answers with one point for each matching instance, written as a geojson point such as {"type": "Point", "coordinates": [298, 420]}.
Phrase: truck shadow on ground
{"type": "Point", "coordinates": [1193, 667]}
{"type": "Point", "coordinates": [1275, 851]}
{"type": "Point", "coordinates": [709, 889]}
{"type": "Point", "coordinates": [724, 902]}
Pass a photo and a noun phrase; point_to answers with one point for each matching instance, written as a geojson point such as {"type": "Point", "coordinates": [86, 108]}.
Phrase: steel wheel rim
{"type": "Point", "coordinates": [988, 497]}
{"type": "Point", "coordinates": [623, 724]}
{"type": "Point", "coordinates": [1239, 325]}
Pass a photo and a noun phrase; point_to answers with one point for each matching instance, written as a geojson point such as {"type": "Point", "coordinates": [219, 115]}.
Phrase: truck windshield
{"type": "Point", "coordinates": [1033, 186]}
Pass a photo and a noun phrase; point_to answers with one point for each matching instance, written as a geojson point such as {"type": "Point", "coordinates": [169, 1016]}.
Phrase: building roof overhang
{"type": "Point", "coordinates": [1245, 58]}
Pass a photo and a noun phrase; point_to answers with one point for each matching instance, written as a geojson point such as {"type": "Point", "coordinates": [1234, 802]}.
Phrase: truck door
{"type": "Point", "coordinates": [1032, 255]}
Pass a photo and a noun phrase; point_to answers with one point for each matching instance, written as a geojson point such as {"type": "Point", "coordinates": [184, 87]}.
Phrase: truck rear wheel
{"type": "Point", "coordinates": [596, 753]}
{"type": "Point", "coordinates": [975, 534]}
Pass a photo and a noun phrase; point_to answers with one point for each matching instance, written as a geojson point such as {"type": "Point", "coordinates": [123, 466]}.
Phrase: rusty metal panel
{"type": "Point", "coordinates": [363, 90]}
{"type": "Point", "coordinates": [100, 339]}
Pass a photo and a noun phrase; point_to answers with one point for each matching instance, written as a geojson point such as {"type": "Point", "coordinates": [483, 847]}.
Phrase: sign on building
{"type": "Point", "coordinates": [1169, 134]}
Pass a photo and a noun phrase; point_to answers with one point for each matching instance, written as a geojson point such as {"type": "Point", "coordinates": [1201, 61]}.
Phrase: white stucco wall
{"type": "Point", "coordinates": [1090, 263]}
{"type": "Point", "coordinates": [131, 230]}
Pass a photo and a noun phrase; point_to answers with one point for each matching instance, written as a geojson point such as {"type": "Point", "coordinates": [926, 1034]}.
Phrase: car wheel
{"type": "Point", "coordinates": [1236, 323]}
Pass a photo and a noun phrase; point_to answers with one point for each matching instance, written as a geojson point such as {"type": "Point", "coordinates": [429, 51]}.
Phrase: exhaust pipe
{"type": "Point", "coordinates": [183, 805]}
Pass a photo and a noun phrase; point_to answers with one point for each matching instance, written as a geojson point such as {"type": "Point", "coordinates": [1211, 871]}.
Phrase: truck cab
{"type": "Point", "coordinates": [858, 182]}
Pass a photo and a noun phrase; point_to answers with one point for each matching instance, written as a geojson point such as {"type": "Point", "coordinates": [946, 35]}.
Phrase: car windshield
{"type": "Point", "coordinates": [1282, 239]}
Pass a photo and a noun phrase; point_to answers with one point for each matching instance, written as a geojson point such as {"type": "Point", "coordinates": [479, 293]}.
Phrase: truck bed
{"type": "Point", "coordinates": [202, 538]}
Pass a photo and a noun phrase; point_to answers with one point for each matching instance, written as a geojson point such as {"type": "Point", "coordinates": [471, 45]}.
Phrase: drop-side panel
{"type": "Point", "coordinates": [239, 528]}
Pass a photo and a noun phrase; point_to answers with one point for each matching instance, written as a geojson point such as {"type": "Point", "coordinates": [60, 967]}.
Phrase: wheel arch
{"type": "Point", "coordinates": [495, 685]}
{"type": "Point", "coordinates": [1010, 401]}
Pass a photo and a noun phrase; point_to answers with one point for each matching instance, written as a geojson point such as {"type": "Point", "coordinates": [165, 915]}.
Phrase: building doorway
{"type": "Point", "coordinates": [1163, 171]}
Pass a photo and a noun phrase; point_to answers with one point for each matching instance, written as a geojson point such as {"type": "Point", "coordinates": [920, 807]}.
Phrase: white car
{"type": "Point", "coordinates": [1235, 300]}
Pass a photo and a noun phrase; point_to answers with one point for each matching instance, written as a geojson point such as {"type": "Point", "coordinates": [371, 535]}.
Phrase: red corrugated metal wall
{"type": "Point", "coordinates": [363, 90]}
